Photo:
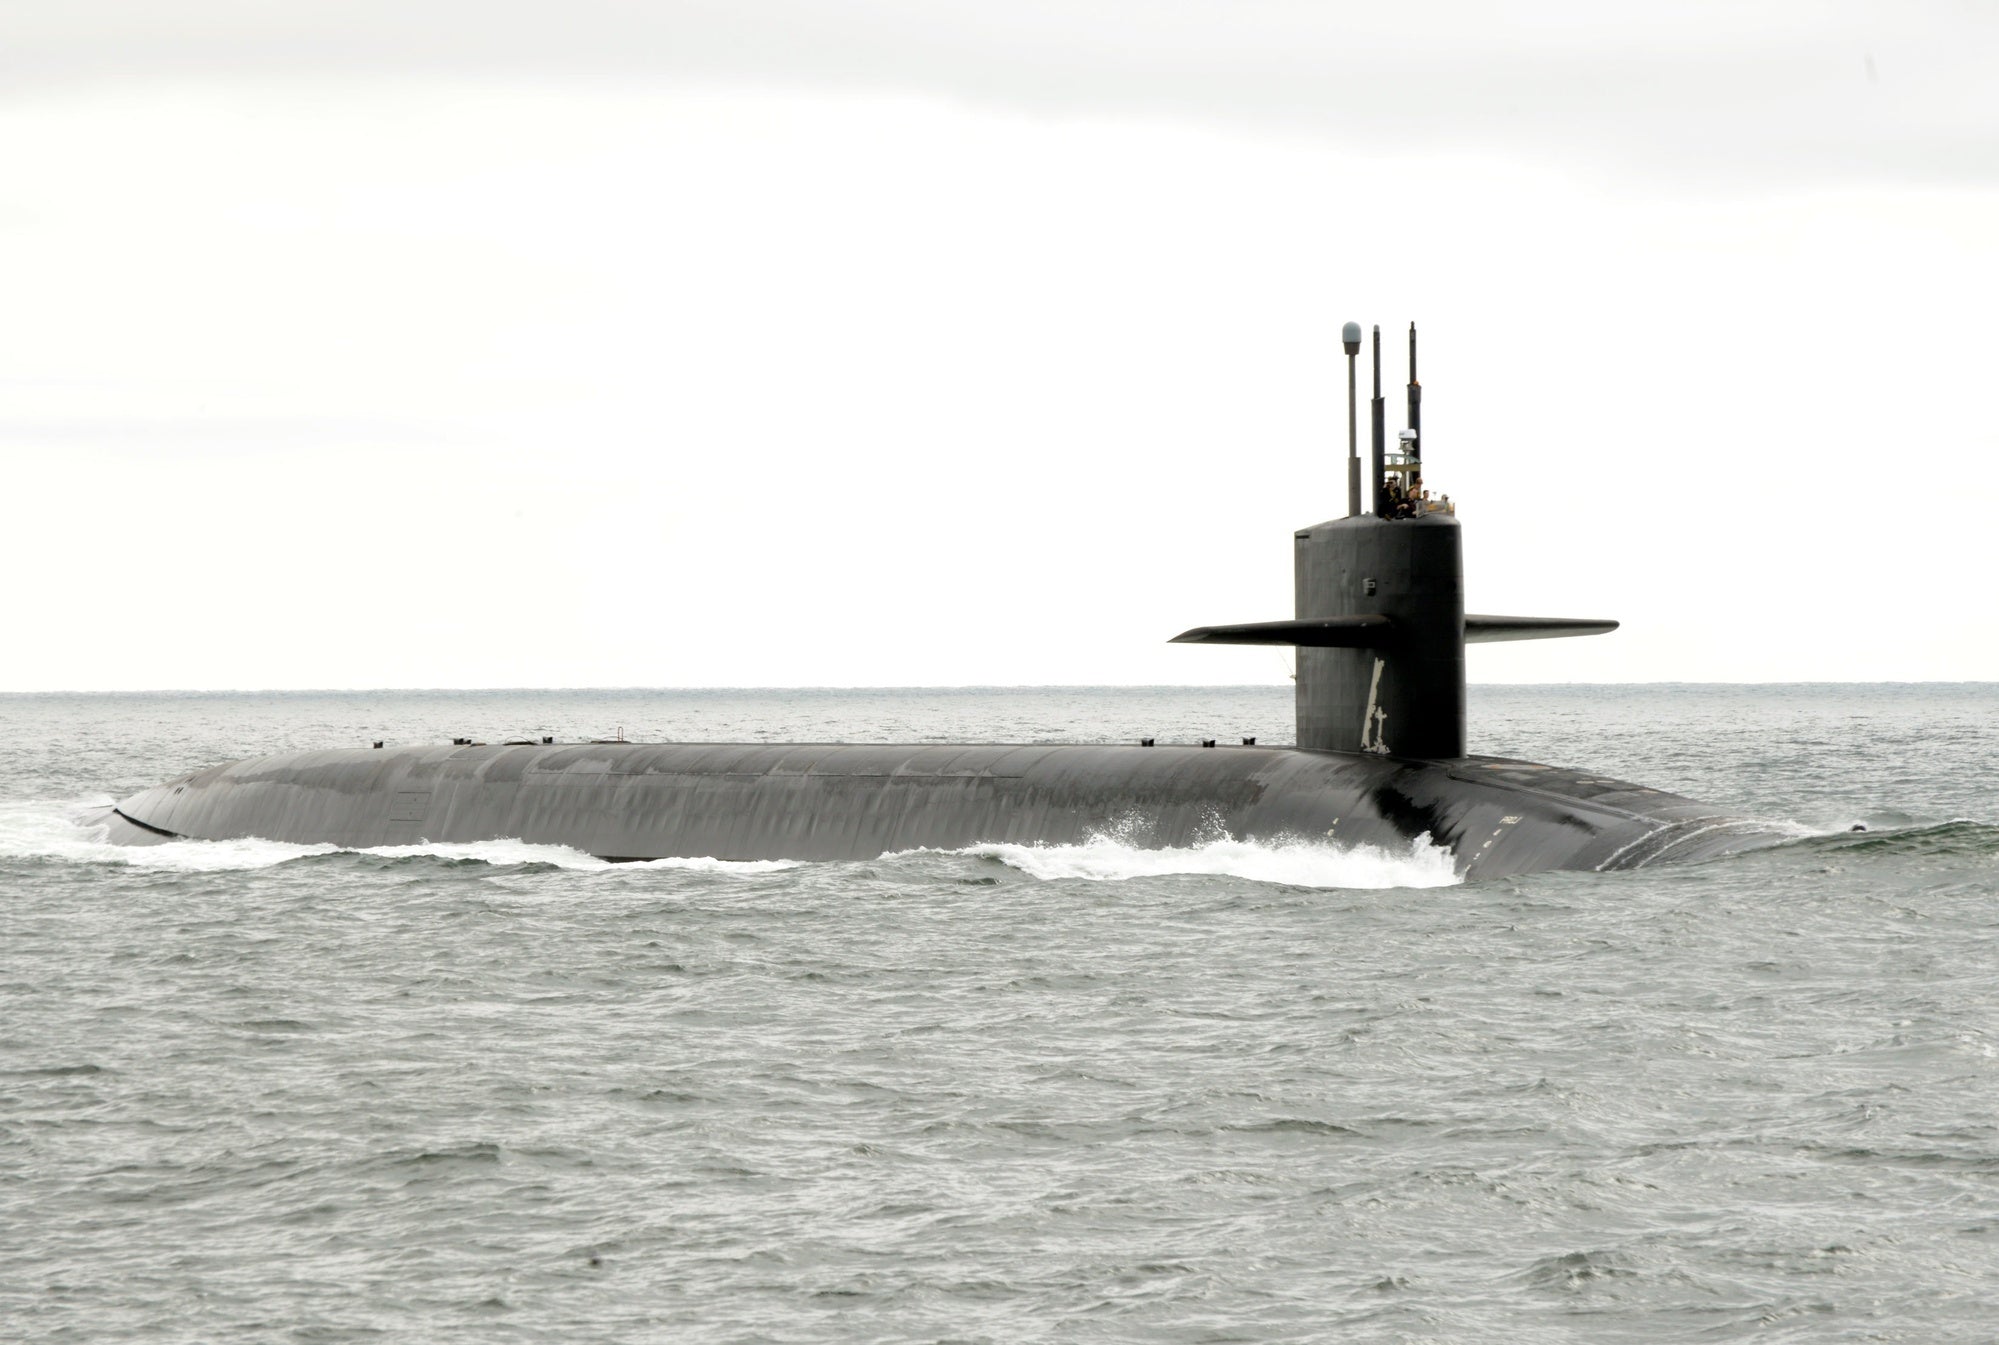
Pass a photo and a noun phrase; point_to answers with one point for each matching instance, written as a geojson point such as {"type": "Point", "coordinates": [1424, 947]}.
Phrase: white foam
{"type": "Point", "coordinates": [43, 829]}
{"type": "Point", "coordinates": [1293, 863]}
{"type": "Point", "coordinates": [702, 865]}
{"type": "Point", "coordinates": [47, 829]}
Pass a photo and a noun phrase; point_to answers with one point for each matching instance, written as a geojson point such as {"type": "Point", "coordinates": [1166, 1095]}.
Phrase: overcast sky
{"type": "Point", "coordinates": [765, 342]}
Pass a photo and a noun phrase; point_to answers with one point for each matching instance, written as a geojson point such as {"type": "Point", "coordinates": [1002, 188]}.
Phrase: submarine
{"type": "Point", "coordinates": [1379, 629]}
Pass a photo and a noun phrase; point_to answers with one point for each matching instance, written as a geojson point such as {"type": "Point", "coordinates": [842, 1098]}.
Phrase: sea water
{"type": "Point", "coordinates": [1239, 1092]}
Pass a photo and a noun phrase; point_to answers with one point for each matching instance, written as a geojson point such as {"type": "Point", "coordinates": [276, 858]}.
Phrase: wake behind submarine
{"type": "Point", "coordinates": [1380, 632]}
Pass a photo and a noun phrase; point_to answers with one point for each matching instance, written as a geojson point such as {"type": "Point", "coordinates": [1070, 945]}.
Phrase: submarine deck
{"type": "Point", "coordinates": [843, 801]}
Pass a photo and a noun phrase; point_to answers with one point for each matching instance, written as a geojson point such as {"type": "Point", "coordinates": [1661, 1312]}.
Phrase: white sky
{"type": "Point", "coordinates": [775, 343]}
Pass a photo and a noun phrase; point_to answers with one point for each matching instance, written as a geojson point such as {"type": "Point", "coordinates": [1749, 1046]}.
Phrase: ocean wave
{"type": "Point", "coordinates": [61, 830]}
{"type": "Point", "coordinates": [1290, 863]}
{"type": "Point", "coordinates": [1960, 836]}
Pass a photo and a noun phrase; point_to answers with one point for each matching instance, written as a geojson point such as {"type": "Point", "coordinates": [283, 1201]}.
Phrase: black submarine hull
{"type": "Point", "coordinates": [630, 801]}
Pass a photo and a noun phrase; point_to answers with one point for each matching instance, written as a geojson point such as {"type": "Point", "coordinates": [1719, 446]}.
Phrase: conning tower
{"type": "Point", "coordinates": [1380, 624]}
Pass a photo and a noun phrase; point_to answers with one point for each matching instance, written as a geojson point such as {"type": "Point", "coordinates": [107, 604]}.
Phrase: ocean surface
{"type": "Point", "coordinates": [501, 1092]}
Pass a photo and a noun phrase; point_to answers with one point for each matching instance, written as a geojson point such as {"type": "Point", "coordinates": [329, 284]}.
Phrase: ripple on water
{"type": "Point", "coordinates": [1094, 1092]}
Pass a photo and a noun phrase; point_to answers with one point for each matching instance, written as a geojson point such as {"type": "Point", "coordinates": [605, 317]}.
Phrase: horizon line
{"type": "Point", "coordinates": [935, 687]}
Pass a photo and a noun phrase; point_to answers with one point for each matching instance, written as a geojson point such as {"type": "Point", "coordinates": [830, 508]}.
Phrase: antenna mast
{"type": "Point", "coordinates": [1379, 427]}
{"type": "Point", "coordinates": [1415, 410]}
{"type": "Point", "coordinates": [1350, 338]}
